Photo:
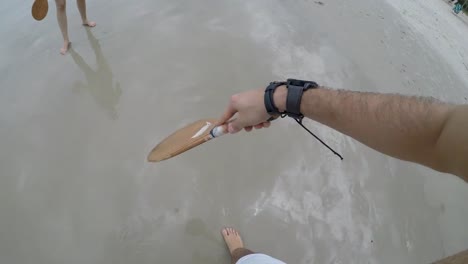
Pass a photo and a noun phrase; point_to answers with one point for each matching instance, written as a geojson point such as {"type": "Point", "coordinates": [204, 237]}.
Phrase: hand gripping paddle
{"type": "Point", "coordinates": [198, 133]}
{"type": "Point", "coordinates": [39, 9]}
{"type": "Point", "coordinates": [186, 138]}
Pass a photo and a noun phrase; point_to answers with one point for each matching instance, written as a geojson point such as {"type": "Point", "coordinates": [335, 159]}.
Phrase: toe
{"type": "Point", "coordinates": [225, 232]}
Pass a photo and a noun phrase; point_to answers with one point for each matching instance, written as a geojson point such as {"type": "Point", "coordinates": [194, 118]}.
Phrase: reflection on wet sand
{"type": "Point", "coordinates": [100, 82]}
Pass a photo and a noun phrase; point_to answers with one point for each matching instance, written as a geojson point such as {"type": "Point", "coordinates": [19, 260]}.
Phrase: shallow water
{"type": "Point", "coordinates": [75, 131]}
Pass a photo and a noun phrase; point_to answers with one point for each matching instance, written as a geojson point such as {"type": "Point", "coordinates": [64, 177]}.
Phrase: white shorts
{"type": "Point", "coordinates": [258, 259]}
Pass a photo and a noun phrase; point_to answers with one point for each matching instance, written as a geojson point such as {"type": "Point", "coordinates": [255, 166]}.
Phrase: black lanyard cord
{"type": "Point", "coordinates": [299, 121]}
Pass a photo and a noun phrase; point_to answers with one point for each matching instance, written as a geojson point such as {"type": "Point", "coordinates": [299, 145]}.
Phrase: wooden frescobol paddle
{"type": "Point", "coordinates": [198, 133]}
{"type": "Point", "coordinates": [39, 9]}
{"type": "Point", "coordinates": [186, 138]}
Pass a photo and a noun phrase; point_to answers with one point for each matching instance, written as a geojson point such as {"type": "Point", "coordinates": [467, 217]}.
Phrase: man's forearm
{"type": "Point", "coordinates": [407, 128]}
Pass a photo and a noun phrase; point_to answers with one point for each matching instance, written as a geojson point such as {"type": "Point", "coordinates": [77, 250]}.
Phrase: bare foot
{"type": "Point", "coordinates": [89, 23]}
{"type": "Point", "coordinates": [232, 239]}
{"type": "Point", "coordinates": [65, 47]}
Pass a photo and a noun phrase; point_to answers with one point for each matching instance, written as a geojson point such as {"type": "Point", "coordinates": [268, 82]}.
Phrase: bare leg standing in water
{"type": "Point", "coordinates": [63, 24]}
{"type": "Point", "coordinates": [82, 8]}
{"type": "Point", "coordinates": [62, 21]}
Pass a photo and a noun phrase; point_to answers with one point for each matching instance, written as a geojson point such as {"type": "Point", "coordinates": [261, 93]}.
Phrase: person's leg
{"type": "Point", "coordinates": [82, 8]}
{"type": "Point", "coordinates": [62, 21]}
{"type": "Point", "coordinates": [235, 244]}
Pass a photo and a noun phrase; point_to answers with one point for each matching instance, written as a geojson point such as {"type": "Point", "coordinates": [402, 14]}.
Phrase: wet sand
{"type": "Point", "coordinates": [75, 131]}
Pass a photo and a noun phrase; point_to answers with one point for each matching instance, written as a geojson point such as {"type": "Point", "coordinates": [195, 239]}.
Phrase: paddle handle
{"type": "Point", "coordinates": [218, 131]}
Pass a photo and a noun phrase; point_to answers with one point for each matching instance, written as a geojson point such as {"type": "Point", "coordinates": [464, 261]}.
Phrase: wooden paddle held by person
{"type": "Point", "coordinates": [186, 138]}
{"type": "Point", "coordinates": [204, 130]}
{"type": "Point", "coordinates": [39, 9]}
{"type": "Point", "coordinates": [420, 130]}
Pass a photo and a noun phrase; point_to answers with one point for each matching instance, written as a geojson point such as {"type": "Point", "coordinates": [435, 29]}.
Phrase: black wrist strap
{"type": "Point", "coordinates": [268, 98]}
{"type": "Point", "coordinates": [295, 90]}
{"type": "Point", "coordinates": [293, 103]}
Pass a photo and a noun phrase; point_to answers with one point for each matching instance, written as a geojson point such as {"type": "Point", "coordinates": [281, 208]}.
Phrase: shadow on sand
{"type": "Point", "coordinates": [99, 82]}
